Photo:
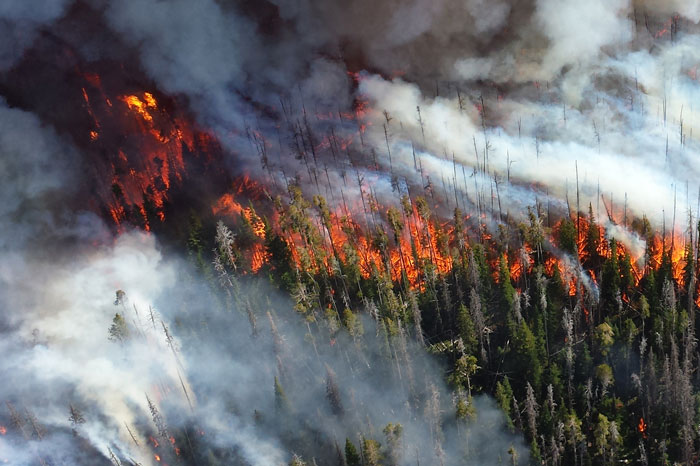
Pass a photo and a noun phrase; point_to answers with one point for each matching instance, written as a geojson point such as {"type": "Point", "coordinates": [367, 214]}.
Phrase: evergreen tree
{"type": "Point", "coordinates": [119, 330]}
{"type": "Point", "coordinates": [352, 457]}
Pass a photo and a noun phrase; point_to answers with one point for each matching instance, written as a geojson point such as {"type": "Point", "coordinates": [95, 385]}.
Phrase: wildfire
{"type": "Point", "coordinates": [642, 427]}
{"type": "Point", "coordinates": [667, 26]}
{"type": "Point", "coordinates": [674, 246]}
{"type": "Point", "coordinates": [175, 448]}
{"type": "Point", "coordinates": [566, 274]}
{"type": "Point", "coordinates": [256, 223]}
{"type": "Point", "coordinates": [421, 243]}
{"type": "Point", "coordinates": [226, 205]}
{"type": "Point", "coordinates": [258, 258]}
{"type": "Point", "coordinates": [154, 441]}
{"type": "Point", "coordinates": [145, 143]}
{"type": "Point", "coordinates": [3, 430]}
{"type": "Point", "coordinates": [157, 457]}
{"type": "Point", "coordinates": [141, 106]}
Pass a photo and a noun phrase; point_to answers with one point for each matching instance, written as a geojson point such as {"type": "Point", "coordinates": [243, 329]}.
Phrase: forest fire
{"type": "Point", "coordinates": [141, 106]}
{"type": "Point", "coordinates": [159, 163]}
{"type": "Point", "coordinates": [642, 427]}
{"type": "Point", "coordinates": [226, 205]}
{"type": "Point", "coordinates": [147, 145]}
{"type": "Point", "coordinates": [140, 189]}
{"type": "Point", "coordinates": [329, 217]}
{"type": "Point", "coordinates": [423, 240]}
{"type": "Point", "coordinates": [258, 257]}
{"type": "Point", "coordinates": [565, 273]}
{"type": "Point", "coordinates": [256, 223]}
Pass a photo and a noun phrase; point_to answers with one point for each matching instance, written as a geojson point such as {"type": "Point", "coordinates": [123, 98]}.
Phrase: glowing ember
{"type": "Point", "coordinates": [642, 427]}
{"type": "Point", "coordinates": [157, 457]}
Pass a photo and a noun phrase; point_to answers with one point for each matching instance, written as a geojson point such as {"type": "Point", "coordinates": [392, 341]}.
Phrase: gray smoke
{"type": "Point", "coordinates": [605, 86]}
{"type": "Point", "coordinates": [515, 95]}
{"type": "Point", "coordinates": [207, 371]}
{"type": "Point", "coordinates": [21, 22]}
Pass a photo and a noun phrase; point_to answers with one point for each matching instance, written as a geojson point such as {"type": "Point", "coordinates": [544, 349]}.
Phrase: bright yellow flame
{"type": "Point", "coordinates": [140, 106]}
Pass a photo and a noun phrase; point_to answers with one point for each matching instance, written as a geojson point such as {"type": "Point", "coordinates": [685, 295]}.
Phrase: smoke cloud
{"type": "Point", "coordinates": [527, 101]}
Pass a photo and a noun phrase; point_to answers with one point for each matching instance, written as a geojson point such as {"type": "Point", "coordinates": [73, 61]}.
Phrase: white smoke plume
{"type": "Point", "coordinates": [182, 375]}
{"type": "Point", "coordinates": [532, 100]}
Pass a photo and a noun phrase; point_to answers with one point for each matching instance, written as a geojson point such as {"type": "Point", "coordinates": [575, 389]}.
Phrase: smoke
{"type": "Point", "coordinates": [545, 88]}
{"type": "Point", "coordinates": [21, 22]}
{"type": "Point", "coordinates": [634, 244]}
{"type": "Point", "coordinates": [184, 369]}
{"type": "Point", "coordinates": [211, 374]}
{"type": "Point", "coordinates": [494, 105]}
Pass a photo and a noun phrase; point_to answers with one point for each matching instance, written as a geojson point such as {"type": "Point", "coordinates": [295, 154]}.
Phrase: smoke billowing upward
{"type": "Point", "coordinates": [118, 120]}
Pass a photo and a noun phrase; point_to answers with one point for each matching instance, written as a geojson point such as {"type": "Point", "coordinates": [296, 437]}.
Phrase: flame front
{"type": "Point", "coordinates": [425, 241]}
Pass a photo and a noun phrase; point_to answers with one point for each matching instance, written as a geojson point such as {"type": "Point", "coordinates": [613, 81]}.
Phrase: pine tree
{"type": "Point", "coordinates": [467, 330]}
{"type": "Point", "coordinates": [371, 452]}
{"type": "Point", "coordinates": [352, 457]}
{"type": "Point", "coordinates": [158, 420]}
{"type": "Point", "coordinates": [504, 396]}
{"type": "Point", "coordinates": [119, 330]}
{"type": "Point", "coordinates": [76, 417]}
{"type": "Point", "coordinates": [333, 392]}
{"type": "Point", "coordinates": [281, 402]}
{"type": "Point", "coordinates": [393, 432]}
{"type": "Point", "coordinates": [567, 237]}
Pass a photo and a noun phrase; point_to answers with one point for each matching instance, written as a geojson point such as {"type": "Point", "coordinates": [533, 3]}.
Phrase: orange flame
{"type": "Point", "coordinates": [226, 206]}
{"type": "Point", "coordinates": [259, 257]}
{"type": "Point", "coordinates": [255, 221]}
{"type": "Point", "coordinates": [141, 106]}
{"type": "Point", "coordinates": [567, 275]}
{"type": "Point", "coordinates": [151, 158]}
{"type": "Point", "coordinates": [157, 457]}
{"type": "Point", "coordinates": [3, 430]}
{"type": "Point", "coordinates": [642, 427]}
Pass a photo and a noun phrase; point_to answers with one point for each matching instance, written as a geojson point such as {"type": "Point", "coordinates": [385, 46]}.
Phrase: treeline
{"type": "Point", "coordinates": [589, 351]}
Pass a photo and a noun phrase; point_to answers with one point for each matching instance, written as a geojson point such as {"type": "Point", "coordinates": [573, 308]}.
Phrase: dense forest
{"type": "Point", "coordinates": [407, 232]}
{"type": "Point", "coordinates": [590, 353]}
